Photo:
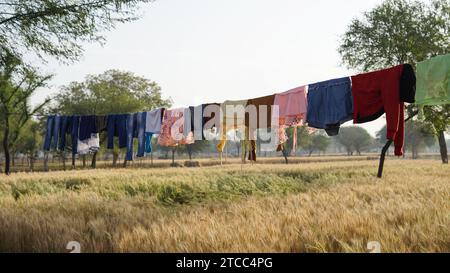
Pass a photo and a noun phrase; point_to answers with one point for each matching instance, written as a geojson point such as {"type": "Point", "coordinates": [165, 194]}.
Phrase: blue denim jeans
{"type": "Point", "coordinates": [140, 128]}
{"type": "Point", "coordinates": [49, 133]}
{"type": "Point", "coordinates": [116, 126]}
{"type": "Point", "coordinates": [65, 128]}
{"type": "Point", "coordinates": [135, 128]}
{"type": "Point", "coordinates": [75, 127]}
{"type": "Point", "coordinates": [52, 133]}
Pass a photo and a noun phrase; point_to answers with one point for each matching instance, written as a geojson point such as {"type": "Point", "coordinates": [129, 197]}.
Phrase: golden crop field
{"type": "Point", "coordinates": [336, 206]}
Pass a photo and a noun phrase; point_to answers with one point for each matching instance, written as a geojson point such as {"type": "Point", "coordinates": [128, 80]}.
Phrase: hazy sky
{"type": "Point", "coordinates": [209, 50]}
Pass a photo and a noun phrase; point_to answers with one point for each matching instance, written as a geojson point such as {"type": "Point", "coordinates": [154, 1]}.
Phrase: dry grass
{"type": "Point", "coordinates": [316, 207]}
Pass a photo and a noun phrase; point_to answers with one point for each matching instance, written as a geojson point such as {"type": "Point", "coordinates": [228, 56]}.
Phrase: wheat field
{"type": "Point", "coordinates": [336, 206]}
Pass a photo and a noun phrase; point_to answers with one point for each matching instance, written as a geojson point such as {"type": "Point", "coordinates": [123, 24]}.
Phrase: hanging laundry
{"type": "Point", "coordinates": [433, 81]}
{"type": "Point", "coordinates": [65, 128]}
{"type": "Point", "coordinates": [101, 123]}
{"type": "Point", "coordinates": [172, 129]}
{"type": "Point", "coordinates": [189, 116]}
{"type": "Point", "coordinates": [263, 107]}
{"type": "Point", "coordinates": [153, 121]}
{"type": "Point", "coordinates": [293, 106]}
{"type": "Point", "coordinates": [210, 118]}
{"type": "Point", "coordinates": [117, 127]}
{"type": "Point", "coordinates": [263, 117]}
{"type": "Point", "coordinates": [52, 132]}
{"type": "Point", "coordinates": [136, 124]}
{"type": "Point", "coordinates": [140, 132]}
{"type": "Point", "coordinates": [233, 117]}
{"type": "Point", "coordinates": [248, 146]}
{"type": "Point", "coordinates": [197, 122]}
{"type": "Point", "coordinates": [376, 93]}
{"type": "Point", "coordinates": [87, 127]}
{"type": "Point", "coordinates": [408, 84]}
{"type": "Point", "coordinates": [74, 136]}
{"type": "Point", "coordinates": [330, 104]}
{"type": "Point", "coordinates": [89, 145]}
{"type": "Point", "coordinates": [148, 142]}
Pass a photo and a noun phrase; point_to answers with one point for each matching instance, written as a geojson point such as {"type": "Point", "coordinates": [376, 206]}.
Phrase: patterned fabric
{"type": "Point", "coordinates": [172, 129]}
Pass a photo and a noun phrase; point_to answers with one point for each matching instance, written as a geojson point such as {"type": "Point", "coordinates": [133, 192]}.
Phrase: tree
{"type": "Point", "coordinates": [17, 84]}
{"type": "Point", "coordinates": [354, 138]}
{"type": "Point", "coordinates": [29, 142]}
{"type": "Point", "coordinates": [304, 138]}
{"type": "Point", "coordinates": [59, 28]}
{"type": "Point", "coordinates": [194, 148]}
{"type": "Point", "coordinates": [417, 135]}
{"type": "Point", "coordinates": [319, 142]}
{"type": "Point", "coordinates": [113, 91]}
{"type": "Point", "coordinates": [397, 32]}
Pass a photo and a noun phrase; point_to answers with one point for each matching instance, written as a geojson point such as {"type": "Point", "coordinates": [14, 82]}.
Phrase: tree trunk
{"type": "Point", "coordinates": [115, 158]}
{"type": "Point", "coordinates": [6, 148]}
{"type": "Point", "coordinates": [84, 161]}
{"type": "Point", "coordinates": [94, 160]}
{"type": "Point", "coordinates": [414, 152]}
{"type": "Point", "coordinates": [73, 160]}
{"type": "Point", "coordinates": [285, 154]}
{"type": "Point", "coordinates": [46, 162]}
{"type": "Point", "coordinates": [63, 155]}
{"type": "Point", "coordinates": [32, 162]}
{"type": "Point", "coordinates": [189, 150]}
{"type": "Point", "coordinates": [173, 157]}
{"type": "Point", "coordinates": [443, 147]}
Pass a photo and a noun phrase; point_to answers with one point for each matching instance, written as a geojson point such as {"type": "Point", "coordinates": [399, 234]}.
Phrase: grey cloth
{"type": "Point", "coordinates": [153, 121]}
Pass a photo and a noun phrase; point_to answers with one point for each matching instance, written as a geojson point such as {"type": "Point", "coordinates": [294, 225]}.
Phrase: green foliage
{"type": "Point", "coordinates": [30, 140]}
{"type": "Point", "coordinates": [396, 32]}
{"type": "Point", "coordinates": [183, 187]}
{"type": "Point", "coordinates": [59, 28]}
{"type": "Point", "coordinates": [197, 147]}
{"type": "Point", "coordinates": [113, 91]}
{"type": "Point", "coordinates": [417, 135]}
{"type": "Point", "coordinates": [319, 142]}
{"type": "Point", "coordinates": [354, 138]}
{"type": "Point", "coordinates": [17, 84]}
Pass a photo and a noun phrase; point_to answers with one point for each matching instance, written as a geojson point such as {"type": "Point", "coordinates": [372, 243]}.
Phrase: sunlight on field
{"type": "Point", "coordinates": [314, 207]}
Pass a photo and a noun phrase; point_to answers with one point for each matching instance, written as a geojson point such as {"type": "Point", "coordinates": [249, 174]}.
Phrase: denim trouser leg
{"type": "Point", "coordinates": [140, 123]}
{"type": "Point", "coordinates": [62, 132]}
{"type": "Point", "coordinates": [56, 126]}
{"type": "Point", "coordinates": [75, 126]}
{"type": "Point", "coordinates": [116, 125]}
{"type": "Point", "coordinates": [49, 133]}
{"type": "Point", "coordinates": [121, 128]}
{"type": "Point", "coordinates": [148, 142]}
{"type": "Point", "coordinates": [110, 128]}
{"type": "Point", "coordinates": [130, 133]}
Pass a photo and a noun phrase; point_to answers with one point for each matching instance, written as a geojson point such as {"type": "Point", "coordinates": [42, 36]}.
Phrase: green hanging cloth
{"type": "Point", "coordinates": [433, 84]}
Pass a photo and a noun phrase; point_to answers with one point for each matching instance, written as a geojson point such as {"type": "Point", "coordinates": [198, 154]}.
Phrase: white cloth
{"type": "Point", "coordinates": [89, 145]}
{"type": "Point", "coordinates": [153, 121]}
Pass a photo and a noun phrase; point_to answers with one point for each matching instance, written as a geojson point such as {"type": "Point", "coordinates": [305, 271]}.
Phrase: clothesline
{"type": "Point", "coordinates": [324, 105]}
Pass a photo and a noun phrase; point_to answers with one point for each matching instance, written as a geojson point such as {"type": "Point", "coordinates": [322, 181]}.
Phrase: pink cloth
{"type": "Point", "coordinates": [293, 106]}
{"type": "Point", "coordinates": [172, 129]}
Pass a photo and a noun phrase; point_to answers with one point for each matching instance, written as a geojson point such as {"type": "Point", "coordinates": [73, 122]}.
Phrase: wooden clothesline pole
{"type": "Point", "coordinates": [386, 148]}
